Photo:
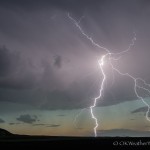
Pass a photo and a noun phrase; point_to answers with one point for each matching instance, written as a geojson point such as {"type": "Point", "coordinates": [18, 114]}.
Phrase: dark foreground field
{"type": "Point", "coordinates": [21, 141]}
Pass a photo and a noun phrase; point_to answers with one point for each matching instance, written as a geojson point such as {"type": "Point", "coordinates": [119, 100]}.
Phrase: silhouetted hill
{"type": "Point", "coordinates": [4, 133]}
{"type": "Point", "coordinates": [8, 139]}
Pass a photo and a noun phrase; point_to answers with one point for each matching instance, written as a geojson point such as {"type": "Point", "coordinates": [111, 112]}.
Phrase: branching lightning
{"type": "Point", "coordinates": [78, 114]}
{"type": "Point", "coordinates": [112, 57]}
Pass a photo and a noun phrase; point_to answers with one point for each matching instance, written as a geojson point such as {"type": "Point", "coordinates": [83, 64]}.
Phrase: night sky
{"type": "Point", "coordinates": [49, 71]}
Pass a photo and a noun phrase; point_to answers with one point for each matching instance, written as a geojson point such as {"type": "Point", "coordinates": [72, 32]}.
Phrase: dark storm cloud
{"type": "Point", "coordinates": [47, 125]}
{"type": "Point", "coordinates": [54, 125]}
{"type": "Point", "coordinates": [45, 4]}
{"type": "Point", "coordinates": [12, 123]}
{"type": "Point", "coordinates": [147, 126]}
{"type": "Point", "coordinates": [8, 61]}
{"type": "Point", "coordinates": [5, 63]}
{"type": "Point", "coordinates": [141, 109]}
{"type": "Point", "coordinates": [39, 124]}
{"type": "Point", "coordinates": [2, 121]}
{"type": "Point", "coordinates": [36, 31]}
{"type": "Point", "coordinates": [79, 128]}
{"type": "Point", "coordinates": [75, 97]}
{"type": "Point", "coordinates": [58, 61]}
{"type": "Point", "coordinates": [12, 70]}
{"type": "Point", "coordinates": [61, 115]}
{"type": "Point", "coordinates": [27, 119]}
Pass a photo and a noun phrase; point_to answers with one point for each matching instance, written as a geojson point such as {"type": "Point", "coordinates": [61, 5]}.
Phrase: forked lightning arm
{"type": "Point", "coordinates": [111, 56]}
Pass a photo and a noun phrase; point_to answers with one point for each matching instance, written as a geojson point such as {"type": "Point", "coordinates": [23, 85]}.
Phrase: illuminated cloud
{"type": "Point", "coordinates": [41, 60]}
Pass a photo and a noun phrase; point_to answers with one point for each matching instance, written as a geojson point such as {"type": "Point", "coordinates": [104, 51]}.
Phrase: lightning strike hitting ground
{"type": "Point", "coordinates": [114, 57]}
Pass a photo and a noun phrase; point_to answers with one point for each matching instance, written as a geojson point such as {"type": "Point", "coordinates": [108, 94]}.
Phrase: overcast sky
{"type": "Point", "coordinates": [46, 63]}
{"type": "Point", "coordinates": [45, 60]}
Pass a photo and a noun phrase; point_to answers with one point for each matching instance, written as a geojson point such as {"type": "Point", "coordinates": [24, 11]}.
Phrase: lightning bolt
{"type": "Point", "coordinates": [78, 114]}
{"type": "Point", "coordinates": [101, 62]}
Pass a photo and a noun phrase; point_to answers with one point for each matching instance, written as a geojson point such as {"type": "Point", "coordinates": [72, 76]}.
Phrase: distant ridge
{"type": "Point", "coordinates": [10, 140]}
{"type": "Point", "coordinates": [4, 133]}
{"type": "Point", "coordinates": [123, 133]}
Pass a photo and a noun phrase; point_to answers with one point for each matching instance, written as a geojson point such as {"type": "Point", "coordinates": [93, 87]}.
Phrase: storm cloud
{"type": "Point", "coordinates": [27, 119]}
{"type": "Point", "coordinates": [1, 120]}
{"type": "Point", "coordinates": [39, 124]}
{"type": "Point", "coordinates": [141, 109]}
{"type": "Point", "coordinates": [53, 125]}
{"type": "Point", "coordinates": [12, 123]}
{"type": "Point", "coordinates": [46, 62]}
{"type": "Point", "coordinates": [58, 61]}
